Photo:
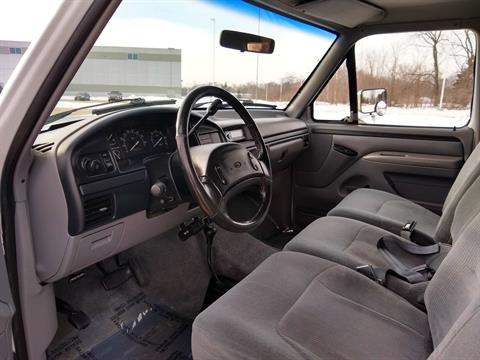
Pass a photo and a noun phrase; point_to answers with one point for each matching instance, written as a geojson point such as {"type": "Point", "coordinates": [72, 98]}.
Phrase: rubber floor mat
{"type": "Point", "coordinates": [135, 329]}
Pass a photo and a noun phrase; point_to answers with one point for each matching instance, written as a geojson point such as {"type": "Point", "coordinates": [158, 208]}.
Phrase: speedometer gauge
{"type": "Point", "coordinates": [157, 139]}
{"type": "Point", "coordinates": [132, 141]}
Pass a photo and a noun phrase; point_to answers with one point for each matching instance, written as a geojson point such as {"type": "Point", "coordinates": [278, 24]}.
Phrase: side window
{"type": "Point", "coordinates": [333, 101]}
{"type": "Point", "coordinates": [427, 77]}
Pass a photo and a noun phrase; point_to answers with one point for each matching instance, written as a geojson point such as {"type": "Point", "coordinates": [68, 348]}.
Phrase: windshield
{"type": "Point", "coordinates": [162, 49]}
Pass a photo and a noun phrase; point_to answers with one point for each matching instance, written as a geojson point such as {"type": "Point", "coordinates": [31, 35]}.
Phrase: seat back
{"type": "Point", "coordinates": [453, 296]}
{"type": "Point", "coordinates": [469, 172]}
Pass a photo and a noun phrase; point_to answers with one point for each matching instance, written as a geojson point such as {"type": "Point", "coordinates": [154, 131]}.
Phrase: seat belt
{"type": "Point", "coordinates": [390, 242]}
{"type": "Point", "coordinates": [413, 275]}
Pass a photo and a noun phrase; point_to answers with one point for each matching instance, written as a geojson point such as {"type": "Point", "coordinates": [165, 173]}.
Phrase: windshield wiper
{"type": "Point", "coordinates": [245, 102]}
{"type": "Point", "coordinates": [63, 114]}
{"type": "Point", "coordinates": [248, 102]}
{"type": "Point", "coordinates": [53, 120]}
{"type": "Point", "coordinates": [202, 105]}
{"type": "Point", "coordinates": [138, 102]}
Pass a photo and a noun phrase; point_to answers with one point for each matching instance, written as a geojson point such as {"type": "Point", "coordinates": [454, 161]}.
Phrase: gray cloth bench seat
{"type": "Point", "coordinates": [354, 243]}
{"type": "Point", "coordinates": [299, 306]}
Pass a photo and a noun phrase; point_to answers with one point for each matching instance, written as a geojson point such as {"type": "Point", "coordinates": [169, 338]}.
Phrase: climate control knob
{"type": "Point", "coordinates": [158, 189]}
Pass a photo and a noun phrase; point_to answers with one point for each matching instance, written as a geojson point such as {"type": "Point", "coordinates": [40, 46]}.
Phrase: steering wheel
{"type": "Point", "coordinates": [215, 173]}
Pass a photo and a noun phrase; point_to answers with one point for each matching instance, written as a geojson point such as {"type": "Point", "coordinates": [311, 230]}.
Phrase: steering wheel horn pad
{"type": "Point", "coordinates": [217, 172]}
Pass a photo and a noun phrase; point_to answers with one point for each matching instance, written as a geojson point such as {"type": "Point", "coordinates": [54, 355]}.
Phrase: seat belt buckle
{"type": "Point", "coordinates": [424, 270]}
{"type": "Point", "coordinates": [369, 272]}
{"type": "Point", "coordinates": [409, 226]}
{"type": "Point", "coordinates": [407, 229]}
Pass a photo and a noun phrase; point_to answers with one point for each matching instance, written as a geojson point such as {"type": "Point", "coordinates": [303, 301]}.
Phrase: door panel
{"type": "Point", "coordinates": [419, 167]}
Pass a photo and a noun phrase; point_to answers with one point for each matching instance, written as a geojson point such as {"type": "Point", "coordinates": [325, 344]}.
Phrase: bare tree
{"type": "Point", "coordinates": [433, 40]}
{"type": "Point", "coordinates": [463, 51]}
{"type": "Point", "coordinates": [393, 72]}
{"type": "Point", "coordinates": [463, 44]}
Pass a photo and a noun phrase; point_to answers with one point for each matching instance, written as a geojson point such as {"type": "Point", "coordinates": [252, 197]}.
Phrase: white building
{"type": "Point", "coordinates": [132, 71]}
{"type": "Point", "coordinates": [138, 71]}
{"type": "Point", "coordinates": [10, 54]}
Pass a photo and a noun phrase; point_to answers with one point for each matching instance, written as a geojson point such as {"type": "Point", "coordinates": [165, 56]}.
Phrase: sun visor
{"type": "Point", "coordinates": [349, 13]}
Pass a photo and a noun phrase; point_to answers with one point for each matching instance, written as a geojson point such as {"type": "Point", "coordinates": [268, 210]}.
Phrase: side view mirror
{"type": "Point", "coordinates": [246, 42]}
{"type": "Point", "coordinates": [373, 101]}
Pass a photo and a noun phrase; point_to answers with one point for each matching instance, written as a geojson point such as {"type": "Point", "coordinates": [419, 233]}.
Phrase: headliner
{"type": "Point", "coordinates": [341, 15]}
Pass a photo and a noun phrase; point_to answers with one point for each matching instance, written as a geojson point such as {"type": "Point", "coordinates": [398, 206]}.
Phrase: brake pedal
{"type": "Point", "coordinates": [114, 279]}
{"type": "Point", "coordinates": [126, 269]}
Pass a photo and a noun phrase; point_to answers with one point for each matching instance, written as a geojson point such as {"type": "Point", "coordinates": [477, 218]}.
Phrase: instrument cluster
{"type": "Point", "coordinates": [138, 141]}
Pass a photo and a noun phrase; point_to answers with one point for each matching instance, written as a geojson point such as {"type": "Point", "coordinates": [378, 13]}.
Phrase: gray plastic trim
{"type": "Point", "coordinates": [415, 159]}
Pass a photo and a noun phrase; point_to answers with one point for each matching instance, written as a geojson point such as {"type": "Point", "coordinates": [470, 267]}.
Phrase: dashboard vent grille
{"type": "Point", "coordinates": [98, 209]}
{"type": "Point", "coordinates": [43, 147]}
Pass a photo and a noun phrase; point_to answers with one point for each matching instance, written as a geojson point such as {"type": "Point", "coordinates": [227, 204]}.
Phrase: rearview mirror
{"type": "Point", "coordinates": [373, 101]}
{"type": "Point", "coordinates": [246, 42]}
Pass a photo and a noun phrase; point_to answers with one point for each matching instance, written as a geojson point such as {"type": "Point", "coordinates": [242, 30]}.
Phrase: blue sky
{"type": "Point", "coordinates": [188, 25]}
{"type": "Point", "coordinates": [194, 11]}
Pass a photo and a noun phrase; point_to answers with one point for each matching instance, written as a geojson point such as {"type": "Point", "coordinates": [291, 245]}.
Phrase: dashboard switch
{"type": "Point", "coordinates": [92, 166]}
{"type": "Point", "coordinates": [95, 166]}
{"type": "Point", "coordinates": [158, 189]}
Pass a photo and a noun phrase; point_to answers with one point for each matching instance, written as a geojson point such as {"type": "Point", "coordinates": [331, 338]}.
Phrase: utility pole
{"type": "Point", "coordinates": [213, 51]}
{"type": "Point", "coordinates": [442, 94]}
{"type": "Point", "coordinates": [258, 59]}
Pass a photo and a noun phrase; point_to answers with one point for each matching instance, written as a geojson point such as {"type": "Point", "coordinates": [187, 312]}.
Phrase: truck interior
{"type": "Point", "coordinates": [311, 192]}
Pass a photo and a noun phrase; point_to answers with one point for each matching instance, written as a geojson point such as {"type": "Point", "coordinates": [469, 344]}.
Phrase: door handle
{"type": "Point", "coordinates": [344, 150]}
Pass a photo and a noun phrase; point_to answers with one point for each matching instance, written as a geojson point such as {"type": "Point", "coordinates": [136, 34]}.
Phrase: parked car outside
{"type": "Point", "coordinates": [115, 96]}
{"type": "Point", "coordinates": [83, 96]}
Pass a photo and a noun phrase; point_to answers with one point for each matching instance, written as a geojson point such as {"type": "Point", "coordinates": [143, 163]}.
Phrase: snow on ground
{"type": "Point", "coordinates": [397, 116]}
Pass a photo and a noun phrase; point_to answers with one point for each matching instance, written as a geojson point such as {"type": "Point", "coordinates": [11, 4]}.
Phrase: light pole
{"type": "Point", "coordinates": [258, 59]}
{"type": "Point", "coordinates": [213, 51]}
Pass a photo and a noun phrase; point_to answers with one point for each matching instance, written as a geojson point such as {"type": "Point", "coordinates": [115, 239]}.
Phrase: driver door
{"type": "Point", "coordinates": [7, 309]}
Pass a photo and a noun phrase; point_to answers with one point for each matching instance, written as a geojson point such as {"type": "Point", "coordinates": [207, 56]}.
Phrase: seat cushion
{"type": "Point", "coordinates": [297, 306]}
{"type": "Point", "coordinates": [388, 211]}
{"type": "Point", "coordinates": [353, 243]}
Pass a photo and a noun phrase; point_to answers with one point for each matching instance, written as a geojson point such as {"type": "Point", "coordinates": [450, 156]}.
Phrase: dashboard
{"type": "Point", "coordinates": [106, 183]}
{"type": "Point", "coordinates": [129, 145]}
{"type": "Point", "coordinates": [130, 166]}
{"type": "Point", "coordinates": [123, 147]}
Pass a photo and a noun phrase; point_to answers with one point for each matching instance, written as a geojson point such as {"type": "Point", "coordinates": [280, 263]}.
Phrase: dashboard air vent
{"type": "Point", "coordinates": [98, 209]}
{"type": "Point", "coordinates": [43, 147]}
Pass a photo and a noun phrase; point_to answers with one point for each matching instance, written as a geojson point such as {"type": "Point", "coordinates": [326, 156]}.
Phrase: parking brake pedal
{"type": "Point", "coordinates": [77, 318]}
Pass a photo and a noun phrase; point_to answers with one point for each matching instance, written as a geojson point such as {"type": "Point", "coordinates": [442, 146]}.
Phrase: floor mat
{"type": "Point", "coordinates": [237, 254]}
{"type": "Point", "coordinates": [141, 330]}
{"type": "Point", "coordinates": [278, 241]}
